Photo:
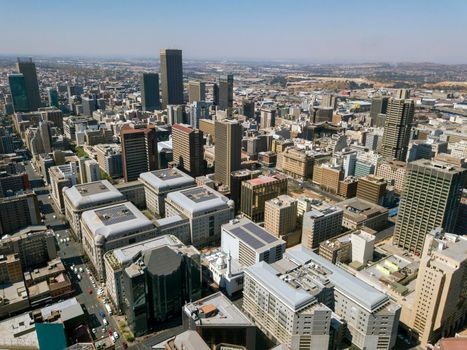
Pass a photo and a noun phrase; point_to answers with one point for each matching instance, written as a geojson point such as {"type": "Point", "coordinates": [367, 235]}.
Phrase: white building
{"type": "Point", "coordinates": [158, 183]}
{"type": "Point", "coordinates": [205, 208]}
{"type": "Point", "coordinates": [363, 244]}
{"type": "Point", "coordinates": [62, 176]}
{"type": "Point", "coordinates": [92, 170]}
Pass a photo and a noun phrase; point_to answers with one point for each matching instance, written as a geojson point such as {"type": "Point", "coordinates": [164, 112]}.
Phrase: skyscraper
{"type": "Point", "coordinates": [196, 91]}
{"type": "Point", "coordinates": [150, 98]}
{"type": "Point", "coordinates": [378, 105]}
{"type": "Point", "coordinates": [52, 95]}
{"type": "Point", "coordinates": [226, 91]}
{"type": "Point", "coordinates": [396, 135]}
{"type": "Point", "coordinates": [28, 69]}
{"type": "Point", "coordinates": [188, 150]}
{"type": "Point", "coordinates": [215, 94]}
{"type": "Point", "coordinates": [430, 199]}
{"type": "Point", "coordinates": [18, 92]}
{"type": "Point", "coordinates": [171, 77]}
{"type": "Point", "coordinates": [228, 151]}
{"type": "Point", "coordinates": [139, 150]}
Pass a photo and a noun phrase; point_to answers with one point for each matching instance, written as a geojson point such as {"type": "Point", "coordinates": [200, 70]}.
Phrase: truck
{"type": "Point", "coordinates": [109, 310]}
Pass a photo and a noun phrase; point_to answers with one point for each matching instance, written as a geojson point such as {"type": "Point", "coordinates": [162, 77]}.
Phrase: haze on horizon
{"type": "Point", "coordinates": [296, 31]}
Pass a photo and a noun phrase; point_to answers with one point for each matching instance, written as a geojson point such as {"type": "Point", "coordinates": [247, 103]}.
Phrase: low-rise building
{"type": "Point", "coordinates": [358, 213]}
{"type": "Point", "coordinates": [323, 222]}
{"type": "Point", "coordinates": [176, 225]}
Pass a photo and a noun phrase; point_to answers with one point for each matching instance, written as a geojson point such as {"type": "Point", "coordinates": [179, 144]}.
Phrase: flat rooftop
{"type": "Point", "coordinates": [167, 179]}
{"type": "Point", "coordinates": [199, 199]}
{"type": "Point", "coordinates": [252, 234]}
{"type": "Point", "coordinates": [92, 194]}
{"type": "Point", "coordinates": [217, 310]}
{"type": "Point", "coordinates": [115, 220]}
{"type": "Point", "coordinates": [18, 330]}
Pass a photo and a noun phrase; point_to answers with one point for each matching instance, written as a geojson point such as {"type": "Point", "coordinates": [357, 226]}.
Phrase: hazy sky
{"type": "Point", "coordinates": [303, 30]}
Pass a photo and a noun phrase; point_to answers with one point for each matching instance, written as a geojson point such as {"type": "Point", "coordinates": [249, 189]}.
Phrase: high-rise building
{"type": "Point", "coordinates": [196, 91]}
{"type": "Point", "coordinates": [440, 306]}
{"type": "Point", "coordinates": [18, 92]}
{"type": "Point", "coordinates": [53, 115]}
{"type": "Point", "coordinates": [372, 189]}
{"type": "Point", "coordinates": [268, 118]}
{"type": "Point", "coordinates": [227, 152]}
{"type": "Point", "coordinates": [17, 212]}
{"type": "Point", "coordinates": [175, 114]}
{"type": "Point", "coordinates": [256, 192]}
{"type": "Point", "coordinates": [280, 215]}
{"type": "Point", "coordinates": [188, 149]}
{"type": "Point", "coordinates": [52, 95]}
{"type": "Point", "coordinates": [323, 222]}
{"type": "Point", "coordinates": [379, 105]}
{"type": "Point", "coordinates": [248, 108]}
{"type": "Point", "coordinates": [430, 199]}
{"type": "Point", "coordinates": [329, 100]}
{"type": "Point", "coordinates": [28, 69]}
{"type": "Point", "coordinates": [62, 176]}
{"type": "Point", "coordinates": [171, 77]}
{"type": "Point", "coordinates": [89, 104]}
{"type": "Point", "coordinates": [402, 93]}
{"type": "Point", "coordinates": [199, 110]}
{"type": "Point", "coordinates": [399, 117]}
{"type": "Point", "coordinates": [226, 92]}
{"type": "Point", "coordinates": [150, 99]}
{"type": "Point", "coordinates": [139, 150]}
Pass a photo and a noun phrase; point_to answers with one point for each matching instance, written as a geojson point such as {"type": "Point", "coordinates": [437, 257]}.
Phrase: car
{"type": "Point", "coordinates": [112, 338]}
{"type": "Point", "coordinates": [105, 322]}
{"type": "Point", "coordinates": [109, 332]}
{"type": "Point", "coordinates": [94, 330]}
{"type": "Point", "coordinates": [101, 313]}
{"type": "Point", "coordinates": [79, 277]}
{"type": "Point", "coordinates": [54, 216]}
{"type": "Point", "coordinates": [80, 269]}
{"type": "Point", "coordinates": [90, 290]}
{"type": "Point", "coordinates": [104, 301]}
{"type": "Point", "coordinates": [116, 336]}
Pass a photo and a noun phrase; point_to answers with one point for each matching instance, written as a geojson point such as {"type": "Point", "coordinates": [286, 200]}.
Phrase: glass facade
{"type": "Point", "coordinates": [18, 92]}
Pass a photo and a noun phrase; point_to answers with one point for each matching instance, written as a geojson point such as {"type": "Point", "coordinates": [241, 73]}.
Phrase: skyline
{"type": "Point", "coordinates": [390, 32]}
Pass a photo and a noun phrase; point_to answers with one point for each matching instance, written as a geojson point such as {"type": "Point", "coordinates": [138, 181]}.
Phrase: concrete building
{"type": "Point", "coordinates": [196, 91]}
{"type": "Point", "coordinates": [188, 340]}
{"type": "Point", "coordinates": [175, 114]}
{"type": "Point", "coordinates": [109, 157]}
{"type": "Point", "coordinates": [362, 246]}
{"type": "Point", "coordinates": [320, 224]}
{"type": "Point", "coordinates": [133, 192]}
{"type": "Point", "coordinates": [227, 152]}
{"type": "Point", "coordinates": [358, 213]}
{"type": "Point", "coordinates": [188, 149]}
{"type": "Point", "coordinates": [440, 309]}
{"type": "Point", "coordinates": [218, 321]}
{"type": "Point", "coordinates": [379, 105]}
{"type": "Point", "coordinates": [431, 198]}
{"type": "Point", "coordinates": [280, 217]}
{"type": "Point", "coordinates": [268, 118]}
{"type": "Point", "coordinates": [62, 176]}
{"type": "Point", "coordinates": [372, 189]}
{"type": "Point", "coordinates": [256, 192]}
{"type": "Point", "coordinates": [205, 208]}
{"type": "Point", "coordinates": [176, 225]}
{"type": "Point", "coordinates": [87, 196]}
{"type": "Point", "coordinates": [328, 176]}
{"type": "Point", "coordinates": [226, 92]}
{"type": "Point", "coordinates": [91, 171]}
{"type": "Point", "coordinates": [158, 183]}
{"type": "Point", "coordinates": [112, 227]}
{"type": "Point", "coordinates": [18, 211]}
{"type": "Point", "coordinates": [393, 172]}
{"type": "Point", "coordinates": [348, 187]}
{"type": "Point", "coordinates": [296, 163]}
{"type": "Point", "coordinates": [337, 250]}
{"type": "Point", "coordinates": [237, 177]}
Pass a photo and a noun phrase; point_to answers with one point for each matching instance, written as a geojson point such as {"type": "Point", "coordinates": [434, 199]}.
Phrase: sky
{"type": "Point", "coordinates": [326, 31]}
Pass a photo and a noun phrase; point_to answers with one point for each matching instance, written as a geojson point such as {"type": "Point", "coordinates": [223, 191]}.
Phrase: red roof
{"type": "Point", "coordinates": [182, 127]}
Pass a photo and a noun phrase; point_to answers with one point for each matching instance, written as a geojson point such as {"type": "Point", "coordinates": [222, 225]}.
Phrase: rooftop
{"type": "Point", "coordinates": [92, 194]}
{"type": "Point", "coordinates": [167, 179]}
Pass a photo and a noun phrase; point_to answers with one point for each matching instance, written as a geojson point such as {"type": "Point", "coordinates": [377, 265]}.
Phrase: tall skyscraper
{"type": "Point", "coordinates": [215, 94]}
{"type": "Point", "coordinates": [226, 91]}
{"type": "Point", "coordinates": [440, 305]}
{"type": "Point", "coordinates": [378, 105]}
{"type": "Point", "coordinates": [171, 77]}
{"type": "Point", "coordinates": [188, 150]}
{"type": "Point", "coordinates": [399, 117]}
{"type": "Point", "coordinates": [18, 92]}
{"type": "Point", "coordinates": [228, 151]}
{"type": "Point", "coordinates": [430, 199]}
{"type": "Point", "coordinates": [28, 69]}
{"type": "Point", "coordinates": [52, 95]}
{"type": "Point", "coordinates": [150, 98]}
{"type": "Point", "coordinates": [139, 150]}
{"type": "Point", "coordinates": [196, 91]}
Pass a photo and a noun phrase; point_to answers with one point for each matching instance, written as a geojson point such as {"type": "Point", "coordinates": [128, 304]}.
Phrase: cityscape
{"type": "Point", "coordinates": [182, 193]}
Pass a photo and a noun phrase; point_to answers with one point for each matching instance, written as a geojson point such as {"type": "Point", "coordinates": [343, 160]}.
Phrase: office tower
{"type": "Point", "coordinates": [11, 183]}
{"type": "Point", "coordinates": [17, 212]}
{"type": "Point", "coordinates": [92, 170]}
{"type": "Point", "coordinates": [226, 92]}
{"type": "Point", "coordinates": [256, 192]}
{"type": "Point", "coordinates": [188, 149]}
{"type": "Point", "coordinates": [268, 118]}
{"type": "Point", "coordinates": [402, 93]}
{"type": "Point", "coordinates": [89, 104]}
{"type": "Point", "coordinates": [323, 222]}
{"type": "Point", "coordinates": [199, 110]}
{"type": "Point", "coordinates": [150, 98]}
{"type": "Point", "coordinates": [322, 114]}
{"type": "Point", "coordinates": [171, 77]}
{"type": "Point", "coordinates": [440, 306]}
{"type": "Point", "coordinates": [393, 172]}
{"type": "Point", "coordinates": [248, 108]}
{"type": "Point", "coordinates": [74, 90]}
{"type": "Point", "coordinates": [372, 189]}
{"type": "Point", "coordinates": [175, 114]}
{"type": "Point", "coordinates": [379, 105]}
{"type": "Point", "coordinates": [196, 91]}
{"type": "Point", "coordinates": [28, 69]}
{"type": "Point", "coordinates": [237, 177]}
{"type": "Point", "coordinates": [420, 149]}
{"type": "Point", "coordinates": [18, 92]}
{"type": "Point", "coordinates": [53, 115]}
{"type": "Point", "coordinates": [430, 199]}
{"type": "Point", "coordinates": [399, 117]}
{"type": "Point", "coordinates": [109, 157]}
{"type": "Point", "coordinates": [227, 152]}
{"type": "Point", "coordinates": [158, 183]}
{"type": "Point", "coordinates": [329, 100]}
{"type": "Point", "coordinates": [52, 95]}
{"type": "Point", "coordinates": [139, 150]}
{"type": "Point", "coordinates": [62, 176]}
{"type": "Point", "coordinates": [87, 196]}
{"type": "Point", "coordinates": [280, 215]}
{"type": "Point", "coordinates": [373, 139]}
{"type": "Point", "coordinates": [45, 136]}
{"type": "Point", "coordinates": [215, 94]}
{"type": "Point", "coordinates": [206, 209]}
{"type": "Point", "coordinates": [328, 176]}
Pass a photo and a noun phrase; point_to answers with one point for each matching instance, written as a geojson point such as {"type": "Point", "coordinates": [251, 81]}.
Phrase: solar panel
{"type": "Point", "coordinates": [247, 238]}
{"type": "Point", "coordinates": [260, 232]}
